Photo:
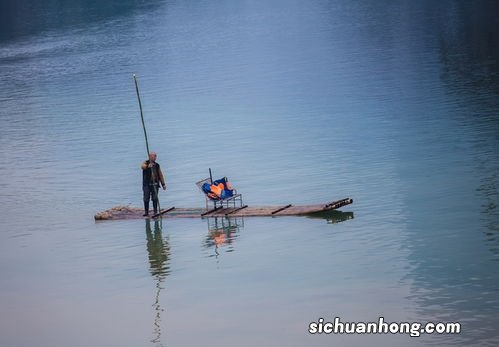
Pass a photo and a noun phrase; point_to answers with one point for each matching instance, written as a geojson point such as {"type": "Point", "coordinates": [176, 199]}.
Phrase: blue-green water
{"type": "Point", "coordinates": [394, 104]}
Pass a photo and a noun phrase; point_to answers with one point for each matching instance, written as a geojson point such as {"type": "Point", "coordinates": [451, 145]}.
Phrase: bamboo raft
{"type": "Point", "coordinates": [127, 212]}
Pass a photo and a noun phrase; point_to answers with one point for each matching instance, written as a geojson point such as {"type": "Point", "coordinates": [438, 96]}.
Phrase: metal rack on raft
{"type": "Point", "coordinates": [235, 200]}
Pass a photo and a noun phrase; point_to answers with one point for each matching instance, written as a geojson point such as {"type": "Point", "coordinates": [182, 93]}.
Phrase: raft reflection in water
{"type": "Point", "coordinates": [158, 250]}
{"type": "Point", "coordinates": [222, 231]}
{"type": "Point", "coordinates": [333, 216]}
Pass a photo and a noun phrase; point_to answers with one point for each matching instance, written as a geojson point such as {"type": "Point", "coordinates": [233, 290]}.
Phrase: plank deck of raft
{"type": "Point", "coordinates": [126, 212]}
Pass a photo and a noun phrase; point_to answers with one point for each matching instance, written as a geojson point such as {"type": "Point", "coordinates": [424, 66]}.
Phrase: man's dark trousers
{"type": "Point", "coordinates": [150, 192]}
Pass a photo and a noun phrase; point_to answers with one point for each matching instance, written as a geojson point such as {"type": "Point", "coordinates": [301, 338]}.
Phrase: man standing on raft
{"type": "Point", "coordinates": [151, 176]}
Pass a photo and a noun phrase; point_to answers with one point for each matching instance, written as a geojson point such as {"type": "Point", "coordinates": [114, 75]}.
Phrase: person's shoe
{"type": "Point", "coordinates": [145, 214]}
{"type": "Point", "coordinates": [155, 212]}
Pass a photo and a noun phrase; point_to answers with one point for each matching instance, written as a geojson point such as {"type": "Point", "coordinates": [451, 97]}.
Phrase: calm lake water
{"type": "Point", "coordinates": [394, 104]}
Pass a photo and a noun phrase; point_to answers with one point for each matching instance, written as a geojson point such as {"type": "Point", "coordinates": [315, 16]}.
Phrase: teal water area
{"type": "Point", "coordinates": [394, 104]}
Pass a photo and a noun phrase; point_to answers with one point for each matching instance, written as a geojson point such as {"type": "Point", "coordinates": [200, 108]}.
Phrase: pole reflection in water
{"type": "Point", "coordinates": [158, 251]}
{"type": "Point", "coordinates": [222, 231]}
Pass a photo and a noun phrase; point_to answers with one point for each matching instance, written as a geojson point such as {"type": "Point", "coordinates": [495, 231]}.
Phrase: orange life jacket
{"type": "Point", "coordinates": [217, 189]}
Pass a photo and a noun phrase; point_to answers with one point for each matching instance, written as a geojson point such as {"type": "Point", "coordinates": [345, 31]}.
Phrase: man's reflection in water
{"type": "Point", "coordinates": [158, 251]}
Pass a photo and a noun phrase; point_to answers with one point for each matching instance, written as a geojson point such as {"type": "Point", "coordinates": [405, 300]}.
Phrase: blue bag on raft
{"type": "Point", "coordinates": [206, 188]}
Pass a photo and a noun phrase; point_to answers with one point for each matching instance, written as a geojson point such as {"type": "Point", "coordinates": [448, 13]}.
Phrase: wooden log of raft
{"type": "Point", "coordinates": [163, 212]}
{"type": "Point", "coordinates": [127, 212]}
{"type": "Point", "coordinates": [281, 209]}
{"type": "Point", "coordinates": [337, 204]}
{"type": "Point", "coordinates": [211, 211]}
{"type": "Point", "coordinates": [235, 210]}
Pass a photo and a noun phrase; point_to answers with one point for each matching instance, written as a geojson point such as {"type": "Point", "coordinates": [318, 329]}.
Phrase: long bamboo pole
{"type": "Point", "coordinates": [147, 142]}
{"type": "Point", "coordinates": [141, 113]}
